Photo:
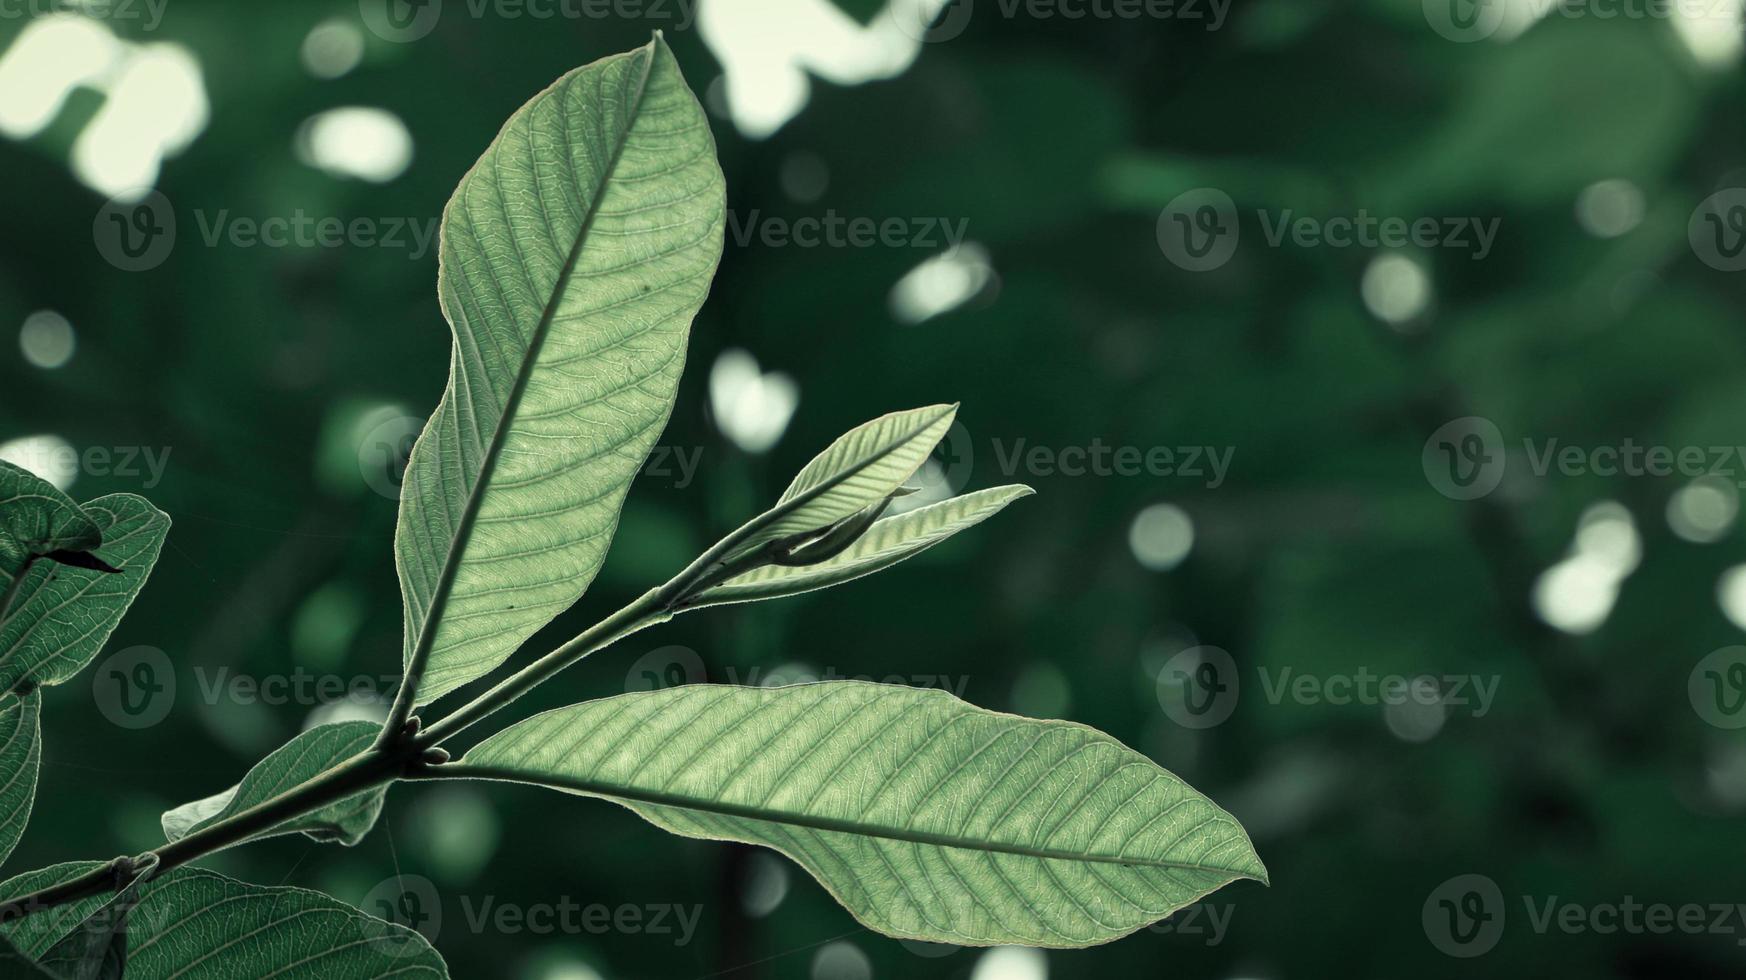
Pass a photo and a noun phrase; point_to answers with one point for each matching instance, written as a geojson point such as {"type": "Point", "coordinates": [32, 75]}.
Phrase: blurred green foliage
{"type": "Point", "coordinates": [1326, 550]}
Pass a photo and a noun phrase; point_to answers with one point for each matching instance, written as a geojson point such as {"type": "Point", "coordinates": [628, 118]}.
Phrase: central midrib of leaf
{"type": "Point", "coordinates": [683, 802]}
{"type": "Point", "coordinates": [457, 545]}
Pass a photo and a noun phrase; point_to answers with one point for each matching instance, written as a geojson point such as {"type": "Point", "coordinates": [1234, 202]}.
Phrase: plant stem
{"type": "Point", "coordinates": [654, 606]}
{"type": "Point", "coordinates": [387, 760]}
{"type": "Point", "coordinates": [361, 773]}
{"type": "Point", "coordinates": [379, 765]}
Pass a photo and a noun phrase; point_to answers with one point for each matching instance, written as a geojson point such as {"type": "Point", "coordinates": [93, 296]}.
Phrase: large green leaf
{"type": "Point", "coordinates": [20, 760]}
{"type": "Point", "coordinates": [64, 614]}
{"type": "Point", "coordinates": [862, 468]}
{"type": "Point", "coordinates": [926, 817]}
{"type": "Point", "coordinates": [297, 761]}
{"type": "Point", "coordinates": [887, 542]}
{"type": "Point", "coordinates": [574, 255]}
{"type": "Point", "coordinates": [36, 519]}
{"type": "Point", "coordinates": [198, 925]}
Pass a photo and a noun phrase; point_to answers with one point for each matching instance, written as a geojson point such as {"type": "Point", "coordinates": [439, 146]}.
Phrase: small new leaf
{"type": "Point", "coordinates": [884, 543]}
{"type": "Point", "coordinates": [864, 467]}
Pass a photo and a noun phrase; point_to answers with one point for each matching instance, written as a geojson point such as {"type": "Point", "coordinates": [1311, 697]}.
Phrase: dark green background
{"type": "Point", "coordinates": [1326, 549]}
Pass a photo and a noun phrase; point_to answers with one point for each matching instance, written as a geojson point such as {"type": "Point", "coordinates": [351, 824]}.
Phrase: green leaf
{"type": "Point", "coordinates": [14, 965]}
{"type": "Point", "coordinates": [926, 817]}
{"type": "Point", "coordinates": [297, 761]}
{"type": "Point", "coordinates": [36, 519]}
{"type": "Point", "coordinates": [198, 925]}
{"type": "Point", "coordinates": [574, 255]}
{"type": "Point", "coordinates": [889, 541]}
{"type": "Point", "coordinates": [861, 469]}
{"type": "Point", "coordinates": [63, 615]}
{"type": "Point", "coordinates": [20, 761]}
{"type": "Point", "coordinates": [96, 949]}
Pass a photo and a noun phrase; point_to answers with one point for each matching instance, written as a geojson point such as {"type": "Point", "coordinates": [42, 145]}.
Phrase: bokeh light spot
{"type": "Point", "coordinates": [1161, 537]}
{"type": "Point", "coordinates": [46, 339]}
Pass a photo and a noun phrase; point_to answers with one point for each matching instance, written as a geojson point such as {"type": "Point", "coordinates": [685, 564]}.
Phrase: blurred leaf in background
{"type": "Point", "coordinates": [218, 267]}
